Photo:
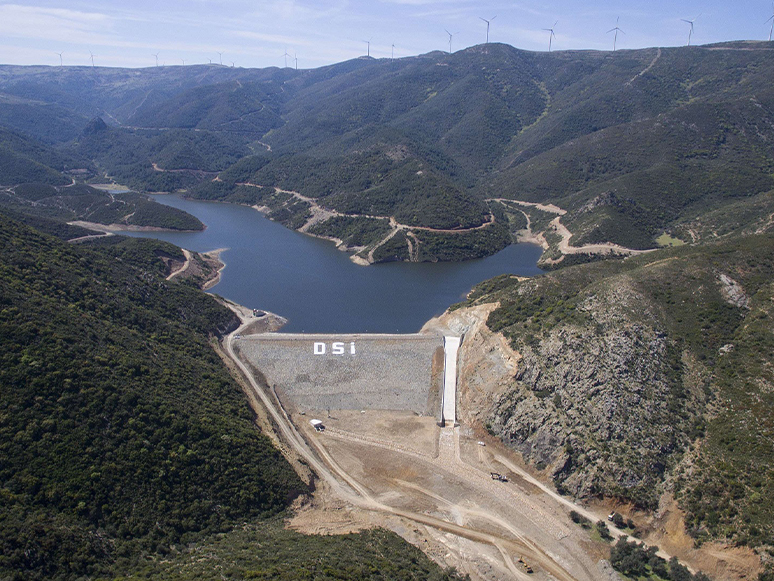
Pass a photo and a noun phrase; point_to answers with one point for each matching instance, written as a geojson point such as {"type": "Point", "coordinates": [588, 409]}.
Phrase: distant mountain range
{"type": "Point", "coordinates": [647, 380]}
{"type": "Point", "coordinates": [631, 144]}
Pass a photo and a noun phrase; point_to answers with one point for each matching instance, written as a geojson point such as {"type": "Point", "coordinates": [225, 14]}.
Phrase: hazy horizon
{"type": "Point", "coordinates": [259, 34]}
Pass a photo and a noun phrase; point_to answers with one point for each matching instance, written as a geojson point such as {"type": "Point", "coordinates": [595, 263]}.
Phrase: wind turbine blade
{"type": "Point", "coordinates": [485, 20]}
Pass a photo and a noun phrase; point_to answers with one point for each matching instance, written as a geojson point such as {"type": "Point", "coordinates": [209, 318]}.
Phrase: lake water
{"type": "Point", "coordinates": [316, 287]}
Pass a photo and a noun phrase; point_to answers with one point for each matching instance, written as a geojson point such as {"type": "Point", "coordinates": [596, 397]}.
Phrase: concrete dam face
{"type": "Point", "coordinates": [350, 372]}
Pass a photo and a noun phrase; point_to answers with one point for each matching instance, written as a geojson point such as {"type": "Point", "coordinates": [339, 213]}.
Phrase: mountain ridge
{"type": "Point", "coordinates": [647, 127]}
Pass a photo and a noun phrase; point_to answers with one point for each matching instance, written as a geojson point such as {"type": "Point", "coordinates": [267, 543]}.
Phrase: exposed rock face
{"type": "Point", "coordinates": [733, 292]}
{"type": "Point", "coordinates": [596, 399]}
{"type": "Point", "coordinates": [594, 405]}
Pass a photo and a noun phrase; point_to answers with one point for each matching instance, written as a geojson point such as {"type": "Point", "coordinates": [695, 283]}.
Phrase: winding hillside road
{"type": "Point", "coordinates": [186, 264]}
{"type": "Point", "coordinates": [347, 488]}
{"type": "Point", "coordinates": [564, 243]}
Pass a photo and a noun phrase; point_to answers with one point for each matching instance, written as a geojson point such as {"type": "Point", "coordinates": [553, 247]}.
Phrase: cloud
{"type": "Point", "coordinates": [272, 38]}
{"type": "Point", "coordinates": [18, 21]}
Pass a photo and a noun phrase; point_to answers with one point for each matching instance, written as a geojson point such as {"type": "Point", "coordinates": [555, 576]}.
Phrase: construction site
{"type": "Point", "coordinates": [375, 421]}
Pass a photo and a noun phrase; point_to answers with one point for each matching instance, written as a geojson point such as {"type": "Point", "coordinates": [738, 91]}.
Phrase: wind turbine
{"type": "Point", "coordinates": [61, 63]}
{"type": "Point", "coordinates": [92, 58]}
{"type": "Point", "coordinates": [450, 39]}
{"type": "Point", "coordinates": [392, 54]}
{"type": "Point", "coordinates": [157, 58]}
{"type": "Point", "coordinates": [183, 61]}
{"type": "Point", "coordinates": [220, 54]}
{"type": "Point", "coordinates": [295, 58]}
{"type": "Point", "coordinates": [286, 55]}
{"type": "Point", "coordinates": [690, 32]}
{"type": "Point", "coordinates": [771, 18]}
{"type": "Point", "coordinates": [368, 43]}
{"type": "Point", "coordinates": [487, 26]}
{"type": "Point", "coordinates": [616, 30]}
{"type": "Point", "coordinates": [551, 36]}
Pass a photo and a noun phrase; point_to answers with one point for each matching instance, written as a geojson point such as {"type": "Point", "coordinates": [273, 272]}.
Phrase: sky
{"type": "Point", "coordinates": [260, 33]}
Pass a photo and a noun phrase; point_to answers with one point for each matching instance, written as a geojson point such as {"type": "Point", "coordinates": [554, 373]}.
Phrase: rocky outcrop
{"type": "Point", "coordinates": [594, 404]}
{"type": "Point", "coordinates": [733, 292]}
{"type": "Point", "coordinates": [600, 399]}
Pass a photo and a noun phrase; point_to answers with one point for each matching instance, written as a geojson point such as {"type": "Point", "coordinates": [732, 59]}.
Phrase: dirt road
{"type": "Point", "coordinates": [186, 264]}
{"type": "Point", "coordinates": [467, 504]}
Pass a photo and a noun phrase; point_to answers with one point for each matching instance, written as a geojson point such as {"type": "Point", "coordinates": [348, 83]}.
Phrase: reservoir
{"type": "Point", "coordinates": [316, 287]}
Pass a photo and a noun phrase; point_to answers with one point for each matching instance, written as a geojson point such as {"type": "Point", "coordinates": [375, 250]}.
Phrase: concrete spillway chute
{"type": "Point", "coordinates": [449, 408]}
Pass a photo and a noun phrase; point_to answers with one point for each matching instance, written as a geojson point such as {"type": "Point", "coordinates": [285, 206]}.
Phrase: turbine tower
{"type": "Point", "coordinates": [61, 64]}
{"type": "Point", "coordinates": [771, 19]}
{"type": "Point", "coordinates": [286, 55]}
{"type": "Point", "coordinates": [551, 36]}
{"type": "Point", "coordinates": [92, 58]}
{"type": "Point", "coordinates": [295, 58]}
{"type": "Point", "coordinates": [487, 26]}
{"type": "Point", "coordinates": [450, 39]}
{"type": "Point", "coordinates": [157, 58]}
{"type": "Point", "coordinates": [368, 44]}
{"type": "Point", "coordinates": [690, 32]}
{"type": "Point", "coordinates": [616, 30]}
{"type": "Point", "coordinates": [392, 54]}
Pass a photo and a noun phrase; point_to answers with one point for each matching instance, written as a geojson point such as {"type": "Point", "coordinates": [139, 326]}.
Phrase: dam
{"type": "Point", "coordinates": [318, 372]}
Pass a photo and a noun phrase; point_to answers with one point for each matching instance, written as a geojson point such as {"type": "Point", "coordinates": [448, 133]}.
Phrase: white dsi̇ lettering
{"type": "Point", "coordinates": [337, 348]}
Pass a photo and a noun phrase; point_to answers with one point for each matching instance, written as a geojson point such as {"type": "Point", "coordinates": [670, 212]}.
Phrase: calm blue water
{"type": "Point", "coordinates": [316, 287]}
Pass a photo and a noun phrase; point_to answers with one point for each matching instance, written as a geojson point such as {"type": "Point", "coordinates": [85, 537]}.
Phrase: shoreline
{"type": "Point", "coordinates": [212, 257]}
{"type": "Point", "coordinates": [337, 242]}
{"type": "Point", "coordinates": [521, 237]}
{"type": "Point", "coordinates": [112, 228]}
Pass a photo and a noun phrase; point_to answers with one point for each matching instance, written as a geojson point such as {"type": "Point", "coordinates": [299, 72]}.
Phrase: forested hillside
{"type": "Point", "coordinates": [78, 202]}
{"type": "Point", "coordinates": [123, 436]}
{"type": "Point", "coordinates": [631, 144]}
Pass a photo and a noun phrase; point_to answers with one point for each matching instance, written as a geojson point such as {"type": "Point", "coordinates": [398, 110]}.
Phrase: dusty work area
{"type": "Point", "coordinates": [380, 465]}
